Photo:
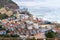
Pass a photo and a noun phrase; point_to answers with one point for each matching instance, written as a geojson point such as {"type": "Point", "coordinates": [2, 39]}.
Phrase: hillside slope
{"type": "Point", "coordinates": [9, 4]}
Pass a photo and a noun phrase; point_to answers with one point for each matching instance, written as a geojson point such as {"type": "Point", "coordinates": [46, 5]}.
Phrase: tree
{"type": "Point", "coordinates": [3, 16]}
{"type": "Point", "coordinates": [2, 29]}
{"type": "Point", "coordinates": [50, 34]}
{"type": "Point", "coordinates": [15, 35]}
{"type": "Point", "coordinates": [0, 26]}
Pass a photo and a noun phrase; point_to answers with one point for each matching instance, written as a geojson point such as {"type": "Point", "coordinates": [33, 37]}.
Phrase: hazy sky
{"type": "Point", "coordinates": [48, 9]}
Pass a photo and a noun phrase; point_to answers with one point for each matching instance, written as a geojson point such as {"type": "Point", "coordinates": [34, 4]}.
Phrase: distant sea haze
{"type": "Point", "coordinates": [46, 9]}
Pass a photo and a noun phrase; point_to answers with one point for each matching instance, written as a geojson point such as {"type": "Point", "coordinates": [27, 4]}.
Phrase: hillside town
{"type": "Point", "coordinates": [21, 23]}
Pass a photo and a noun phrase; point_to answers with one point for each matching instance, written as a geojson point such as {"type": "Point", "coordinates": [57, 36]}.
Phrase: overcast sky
{"type": "Point", "coordinates": [48, 9]}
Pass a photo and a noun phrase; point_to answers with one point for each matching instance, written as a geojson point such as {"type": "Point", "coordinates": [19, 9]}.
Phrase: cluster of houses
{"type": "Point", "coordinates": [24, 24]}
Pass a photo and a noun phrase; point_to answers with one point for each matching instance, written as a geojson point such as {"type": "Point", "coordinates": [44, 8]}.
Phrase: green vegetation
{"type": "Point", "coordinates": [6, 35]}
{"type": "Point", "coordinates": [50, 34]}
{"type": "Point", "coordinates": [1, 7]}
{"type": "Point", "coordinates": [10, 1]}
{"type": "Point", "coordinates": [2, 29]}
{"type": "Point", "coordinates": [3, 16]}
{"type": "Point", "coordinates": [0, 26]}
{"type": "Point", "coordinates": [7, 31]}
{"type": "Point", "coordinates": [15, 35]}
